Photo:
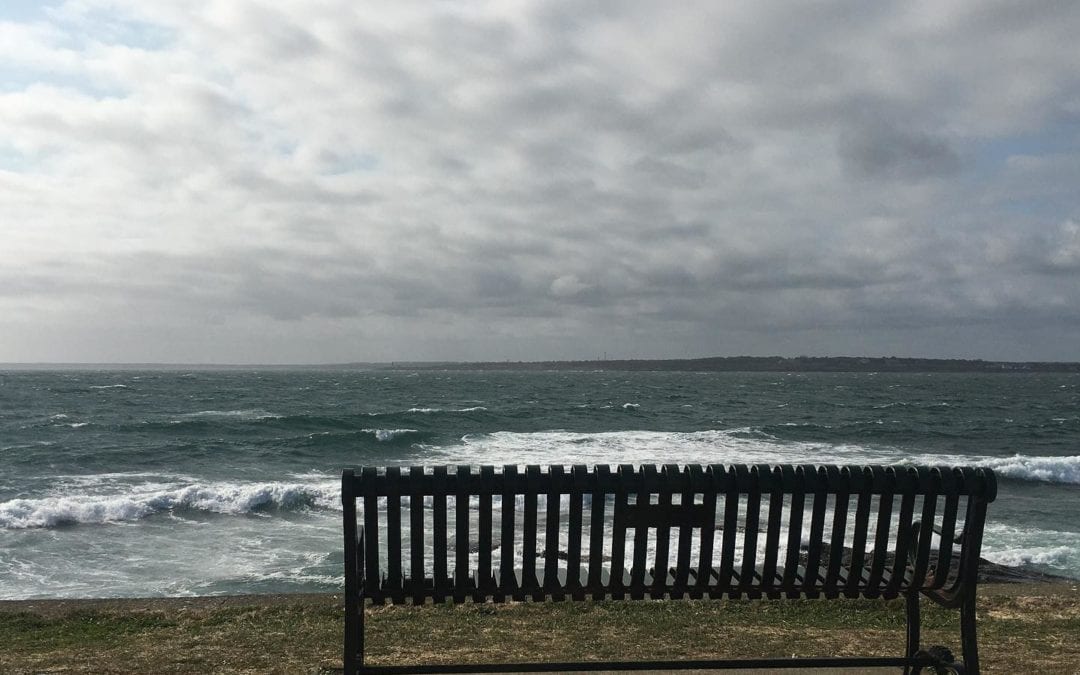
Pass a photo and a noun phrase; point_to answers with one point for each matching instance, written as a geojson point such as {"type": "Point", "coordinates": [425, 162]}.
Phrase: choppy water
{"type": "Point", "coordinates": [125, 483]}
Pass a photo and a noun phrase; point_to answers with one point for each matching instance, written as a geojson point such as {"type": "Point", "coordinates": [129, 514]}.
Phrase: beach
{"type": "Point", "coordinates": [1023, 627]}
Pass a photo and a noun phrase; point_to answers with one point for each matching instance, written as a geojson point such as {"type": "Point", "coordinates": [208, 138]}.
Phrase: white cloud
{"type": "Point", "coordinates": [519, 178]}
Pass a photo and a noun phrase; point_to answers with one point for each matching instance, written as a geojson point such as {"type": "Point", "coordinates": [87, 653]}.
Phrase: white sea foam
{"type": "Point", "coordinates": [238, 414]}
{"type": "Point", "coordinates": [1045, 469]}
{"type": "Point", "coordinates": [744, 446]}
{"type": "Point", "coordinates": [1016, 546]}
{"type": "Point", "coordinates": [141, 501]}
{"type": "Point", "coordinates": [109, 386]}
{"type": "Point", "coordinates": [388, 434]}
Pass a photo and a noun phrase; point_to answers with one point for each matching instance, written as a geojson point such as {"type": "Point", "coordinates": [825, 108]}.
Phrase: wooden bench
{"type": "Point", "coordinates": [455, 534]}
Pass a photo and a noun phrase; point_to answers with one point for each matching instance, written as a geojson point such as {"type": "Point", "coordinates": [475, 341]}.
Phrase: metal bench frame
{"type": "Point", "coordinates": [708, 503]}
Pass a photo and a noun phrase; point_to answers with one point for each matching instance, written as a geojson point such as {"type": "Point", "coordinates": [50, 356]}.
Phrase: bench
{"type": "Point", "coordinates": [719, 531]}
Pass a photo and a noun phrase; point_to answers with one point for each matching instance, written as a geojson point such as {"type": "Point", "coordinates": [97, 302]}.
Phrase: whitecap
{"type": "Point", "coordinates": [388, 434]}
{"type": "Point", "coordinates": [140, 502]}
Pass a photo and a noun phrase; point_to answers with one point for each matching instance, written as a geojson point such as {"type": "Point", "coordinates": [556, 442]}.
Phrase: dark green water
{"type": "Point", "coordinates": [166, 482]}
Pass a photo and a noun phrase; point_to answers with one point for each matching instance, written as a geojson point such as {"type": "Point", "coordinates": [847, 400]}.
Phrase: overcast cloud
{"type": "Point", "coordinates": [241, 181]}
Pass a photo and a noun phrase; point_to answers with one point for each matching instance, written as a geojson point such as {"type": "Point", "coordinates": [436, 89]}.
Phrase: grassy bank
{"type": "Point", "coordinates": [1023, 628]}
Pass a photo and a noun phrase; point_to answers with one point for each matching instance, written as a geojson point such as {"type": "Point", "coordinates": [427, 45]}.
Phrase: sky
{"type": "Point", "coordinates": [318, 181]}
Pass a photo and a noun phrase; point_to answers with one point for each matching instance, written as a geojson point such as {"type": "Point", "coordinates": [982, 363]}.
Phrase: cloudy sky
{"type": "Point", "coordinates": [323, 181]}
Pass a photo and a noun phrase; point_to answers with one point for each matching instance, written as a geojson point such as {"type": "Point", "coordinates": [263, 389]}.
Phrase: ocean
{"type": "Point", "coordinates": [120, 483]}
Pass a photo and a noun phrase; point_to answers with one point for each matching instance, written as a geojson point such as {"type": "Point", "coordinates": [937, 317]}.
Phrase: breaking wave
{"type": "Point", "coordinates": [727, 446]}
{"type": "Point", "coordinates": [224, 498]}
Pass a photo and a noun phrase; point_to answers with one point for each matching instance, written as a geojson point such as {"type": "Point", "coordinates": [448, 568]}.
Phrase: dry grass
{"type": "Point", "coordinates": [1023, 628]}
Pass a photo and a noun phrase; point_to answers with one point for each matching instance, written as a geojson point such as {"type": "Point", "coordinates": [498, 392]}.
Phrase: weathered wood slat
{"type": "Point", "coordinates": [416, 536]}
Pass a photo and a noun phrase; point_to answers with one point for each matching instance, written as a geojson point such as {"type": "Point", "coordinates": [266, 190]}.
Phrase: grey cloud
{"type": "Point", "coordinates": [679, 175]}
{"type": "Point", "coordinates": [881, 151]}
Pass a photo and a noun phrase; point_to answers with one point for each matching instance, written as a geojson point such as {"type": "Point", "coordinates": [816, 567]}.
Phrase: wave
{"type": "Point", "coordinates": [1041, 469]}
{"type": "Point", "coordinates": [1017, 547]}
{"type": "Point", "coordinates": [233, 414]}
{"type": "Point", "coordinates": [109, 386]}
{"type": "Point", "coordinates": [224, 498]}
{"type": "Point", "coordinates": [384, 435]}
{"type": "Point", "coordinates": [747, 445]}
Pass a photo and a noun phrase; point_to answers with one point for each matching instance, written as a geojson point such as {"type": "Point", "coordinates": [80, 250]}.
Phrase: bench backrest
{"type": "Point", "coordinates": [673, 531]}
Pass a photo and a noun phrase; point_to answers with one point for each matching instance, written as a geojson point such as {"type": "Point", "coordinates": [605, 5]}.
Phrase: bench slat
{"type": "Point", "coordinates": [597, 582]}
{"type": "Point", "coordinates": [750, 485]}
{"type": "Point", "coordinates": [812, 581]}
{"type": "Point", "coordinates": [393, 584]}
{"type": "Point", "coordinates": [371, 527]}
{"type": "Point", "coordinates": [852, 585]}
{"type": "Point", "coordinates": [416, 536]}
{"type": "Point", "coordinates": [730, 529]}
{"type": "Point", "coordinates": [637, 570]}
{"type": "Point", "coordinates": [529, 582]}
{"type": "Point", "coordinates": [841, 478]}
{"type": "Point", "coordinates": [461, 535]}
{"type": "Point", "coordinates": [442, 585]}
{"type": "Point", "coordinates": [507, 584]}
{"type": "Point", "coordinates": [552, 585]}
{"type": "Point", "coordinates": [903, 538]}
{"type": "Point", "coordinates": [485, 581]}
{"type": "Point", "coordinates": [708, 534]}
{"type": "Point", "coordinates": [663, 531]}
{"type": "Point", "coordinates": [772, 535]}
{"type": "Point", "coordinates": [881, 535]}
{"type": "Point", "coordinates": [682, 557]}
{"type": "Point", "coordinates": [794, 476]}
{"type": "Point", "coordinates": [617, 581]}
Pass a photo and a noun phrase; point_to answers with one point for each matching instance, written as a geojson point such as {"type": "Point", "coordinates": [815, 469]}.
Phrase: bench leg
{"type": "Point", "coordinates": [912, 605]}
{"type": "Point", "coordinates": [968, 641]}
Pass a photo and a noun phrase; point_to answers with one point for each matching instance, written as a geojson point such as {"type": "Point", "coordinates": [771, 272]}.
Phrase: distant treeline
{"type": "Point", "coordinates": [827, 364]}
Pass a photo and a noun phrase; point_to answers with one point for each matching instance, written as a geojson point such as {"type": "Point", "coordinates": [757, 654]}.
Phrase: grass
{"type": "Point", "coordinates": [1023, 628]}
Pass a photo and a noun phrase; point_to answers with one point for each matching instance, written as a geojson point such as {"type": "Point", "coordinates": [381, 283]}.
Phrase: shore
{"type": "Point", "coordinates": [1023, 627]}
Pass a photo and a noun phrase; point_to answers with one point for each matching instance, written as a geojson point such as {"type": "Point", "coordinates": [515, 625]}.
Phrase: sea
{"type": "Point", "coordinates": [145, 483]}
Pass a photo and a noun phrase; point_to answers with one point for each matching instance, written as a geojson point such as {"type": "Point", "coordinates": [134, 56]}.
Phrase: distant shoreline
{"type": "Point", "coordinates": [769, 364]}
